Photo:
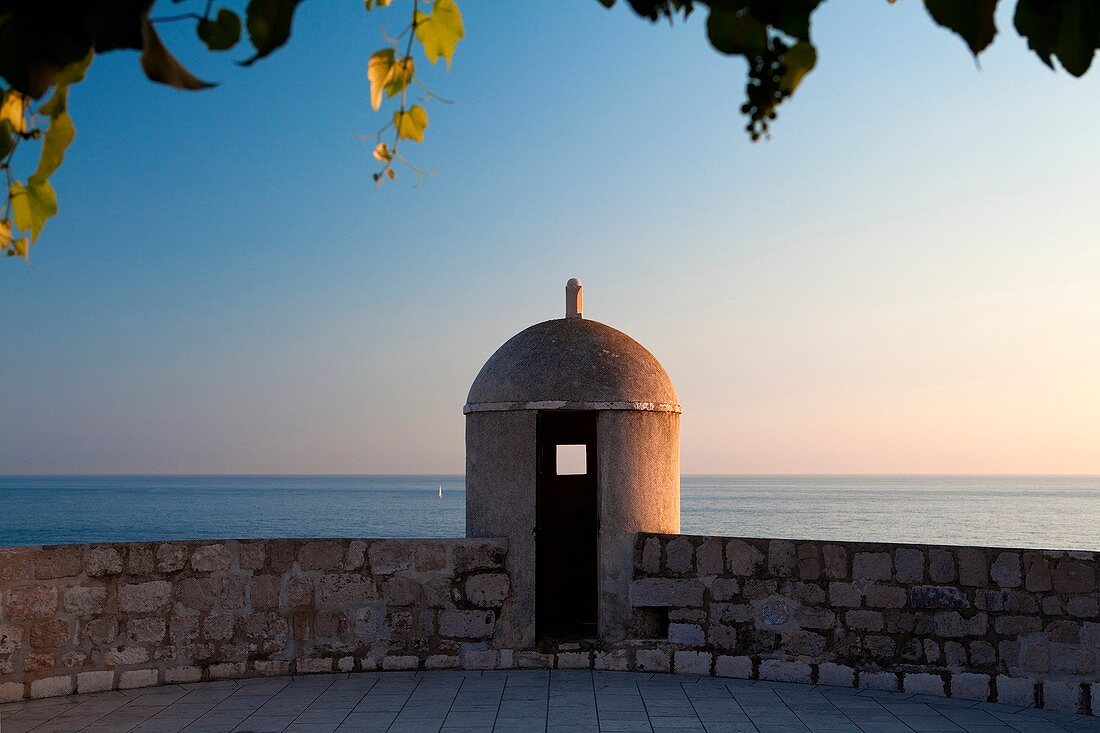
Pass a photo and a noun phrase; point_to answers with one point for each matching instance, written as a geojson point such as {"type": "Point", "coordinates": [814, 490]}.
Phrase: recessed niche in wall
{"type": "Point", "coordinates": [572, 460]}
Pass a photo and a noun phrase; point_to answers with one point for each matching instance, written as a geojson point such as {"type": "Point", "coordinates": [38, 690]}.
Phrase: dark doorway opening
{"type": "Point", "coordinates": [566, 575]}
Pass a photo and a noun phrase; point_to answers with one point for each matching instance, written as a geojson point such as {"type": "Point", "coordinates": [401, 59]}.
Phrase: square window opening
{"type": "Point", "coordinates": [572, 460]}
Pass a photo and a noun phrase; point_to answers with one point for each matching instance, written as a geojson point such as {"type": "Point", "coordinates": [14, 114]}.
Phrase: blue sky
{"type": "Point", "coordinates": [906, 278]}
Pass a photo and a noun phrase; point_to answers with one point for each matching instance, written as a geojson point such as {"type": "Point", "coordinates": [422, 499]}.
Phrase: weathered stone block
{"type": "Point", "coordinates": [722, 637]}
{"type": "Point", "coordinates": [144, 597]}
{"type": "Point", "coordinates": [478, 555]}
{"type": "Point", "coordinates": [1039, 577]}
{"type": "Point", "coordinates": [743, 559]}
{"type": "Point", "coordinates": [836, 561]}
{"type": "Point", "coordinates": [52, 687]}
{"type": "Point", "coordinates": [803, 643]}
{"type": "Point", "coordinates": [99, 631]}
{"type": "Point", "coordinates": [1017, 625]}
{"type": "Point", "coordinates": [264, 591]}
{"type": "Point", "coordinates": [11, 639]}
{"type": "Point", "coordinates": [1074, 576]}
{"type": "Point", "coordinates": [649, 592]}
{"type": "Point", "coordinates": [924, 684]}
{"type": "Point", "coordinates": [1065, 696]}
{"type": "Point", "coordinates": [231, 591]}
{"type": "Point", "coordinates": [50, 634]}
{"type": "Point", "coordinates": [171, 557]}
{"type": "Point", "coordinates": [488, 589]}
{"type": "Point", "coordinates": [941, 565]}
{"type": "Point", "coordinates": [680, 555]}
{"type": "Point", "coordinates": [16, 564]}
{"type": "Point", "coordinates": [616, 660]}
{"type": "Point", "coordinates": [686, 634]}
{"type": "Point", "coordinates": [782, 558]}
{"type": "Point", "coordinates": [859, 620]}
{"type": "Point", "coordinates": [441, 661]}
{"type": "Point", "coordinates": [1015, 691]}
{"type": "Point", "coordinates": [574, 660]}
{"type": "Point", "coordinates": [973, 567]}
{"type": "Point", "coordinates": [146, 630]}
{"type": "Point", "coordinates": [85, 600]}
{"type": "Point", "coordinates": [400, 591]}
{"type": "Point", "coordinates": [737, 667]}
{"type": "Point", "coordinates": [872, 566]}
{"type": "Point", "coordinates": [836, 675]}
{"type": "Point", "coordinates": [970, 686]}
{"type": "Point", "coordinates": [688, 662]}
{"type": "Point", "coordinates": [299, 590]}
{"type": "Point", "coordinates": [777, 670]}
{"type": "Point", "coordinates": [336, 589]}
{"type": "Point", "coordinates": [652, 660]}
{"type": "Point", "coordinates": [935, 596]}
{"type": "Point", "coordinates": [11, 691]}
{"type": "Point", "coordinates": [430, 557]}
{"type": "Point", "coordinates": [321, 555]}
{"type": "Point", "coordinates": [878, 681]}
{"type": "Point", "coordinates": [406, 662]}
{"type": "Point", "coordinates": [184, 674]}
{"type": "Point", "coordinates": [232, 670]}
{"type": "Point", "coordinates": [534, 660]}
{"type": "Point", "coordinates": [982, 654]}
{"type": "Point", "coordinates": [1006, 570]}
{"type": "Point", "coordinates": [845, 595]}
{"type": "Point", "coordinates": [210, 558]}
{"type": "Point", "coordinates": [885, 596]}
{"type": "Point", "coordinates": [724, 589]}
{"type": "Point", "coordinates": [356, 553]}
{"type": "Point", "coordinates": [57, 562]}
{"type": "Point", "coordinates": [909, 565]}
{"type": "Point", "coordinates": [125, 655]}
{"type": "Point", "coordinates": [1083, 607]}
{"type": "Point", "coordinates": [100, 560]}
{"type": "Point", "coordinates": [986, 599]}
{"type": "Point", "coordinates": [95, 681]}
{"type": "Point", "coordinates": [708, 557]}
{"type": "Point", "coordinates": [651, 556]}
{"type": "Point", "coordinates": [31, 602]}
{"type": "Point", "coordinates": [251, 555]}
{"type": "Point", "coordinates": [466, 624]}
{"type": "Point", "coordinates": [953, 624]}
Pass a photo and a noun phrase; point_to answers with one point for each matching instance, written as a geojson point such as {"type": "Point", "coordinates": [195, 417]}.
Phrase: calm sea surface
{"type": "Point", "coordinates": [1054, 512]}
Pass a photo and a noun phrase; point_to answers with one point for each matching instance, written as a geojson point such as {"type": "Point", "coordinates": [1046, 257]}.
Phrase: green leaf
{"type": "Point", "coordinates": [441, 31]}
{"type": "Point", "coordinates": [971, 19]}
{"type": "Point", "coordinates": [58, 137]}
{"type": "Point", "coordinates": [161, 66]}
{"type": "Point", "coordinates": [32, 205]}
{"type": "Point", "coordinates": [222, 33]}
{"type": "Point", "coordinates": [412, 123]}
{"type": "Point", "coordinates": [736, 32]}
{"type": "Point", "coordinates": [268, 24]}
{"type": "Point", "coordinates": [799, 60]}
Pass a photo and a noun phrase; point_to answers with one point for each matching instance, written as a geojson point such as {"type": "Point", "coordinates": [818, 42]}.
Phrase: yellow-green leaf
{"type": "Point", "coordinates": [379, 69]}
{"type": "Point", "coordinates": [372, 4]}
{"type": "Point", "coordinates": [32, 205]}
{"type": "Point", "coordinates": [441, 31]}
{"type": "Point", "coordinates": [58, 102]}
{"type": "Point", "coordinates": [58, 137]}
{"type": "Point", "coordinates": [401, 75]}
{"type": "Point", "coordinates": [5, 233]}
{"type": "Point", "coordinates": [20, 246]}
{"type": "Point", "coordinates": [383, 153]}
{"type": "Point", "coordinates": [14, 110]}
{"type": "Point", "coordinates": [411, 123]}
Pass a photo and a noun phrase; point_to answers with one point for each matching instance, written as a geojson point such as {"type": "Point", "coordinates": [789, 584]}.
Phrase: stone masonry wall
{"type": "Point", "coordinates": [87, 618]}
{"type": "Point", "coordinates": [1013, 626]}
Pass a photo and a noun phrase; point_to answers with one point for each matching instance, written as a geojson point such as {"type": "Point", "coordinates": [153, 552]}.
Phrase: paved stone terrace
{"type": "Point", "coordinates": [518, 701]}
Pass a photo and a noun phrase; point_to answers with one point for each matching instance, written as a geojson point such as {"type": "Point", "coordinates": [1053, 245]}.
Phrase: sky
{"type": "Point", "coordinates": [904, 279]}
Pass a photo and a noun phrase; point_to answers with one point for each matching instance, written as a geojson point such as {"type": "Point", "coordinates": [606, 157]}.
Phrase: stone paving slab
{"type": "Point", "coordinates": [521, 701]}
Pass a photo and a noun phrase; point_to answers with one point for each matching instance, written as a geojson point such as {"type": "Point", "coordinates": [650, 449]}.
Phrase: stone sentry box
{"type": "Point", "coordinates": [571, 382]}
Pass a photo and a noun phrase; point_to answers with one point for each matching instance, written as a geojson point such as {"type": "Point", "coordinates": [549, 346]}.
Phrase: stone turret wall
{"type": "Point", "coordinates": [1014, 626]}
{"type": "Point", "coordinates": [87, 618]}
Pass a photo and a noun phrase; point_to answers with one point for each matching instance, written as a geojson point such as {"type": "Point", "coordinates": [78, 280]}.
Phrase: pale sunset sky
{"type": "Point", "coordinates": [905, 279]}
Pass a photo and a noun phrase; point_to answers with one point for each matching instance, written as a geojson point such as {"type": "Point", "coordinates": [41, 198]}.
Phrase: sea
{"type": "Point", "coordinates": [1048, 512]}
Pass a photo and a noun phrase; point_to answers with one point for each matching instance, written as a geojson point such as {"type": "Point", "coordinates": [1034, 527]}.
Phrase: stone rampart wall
{"type": "Point", "coordinates": [87, 618]}
{"type": "Point", "coordinates": [1012, 626]}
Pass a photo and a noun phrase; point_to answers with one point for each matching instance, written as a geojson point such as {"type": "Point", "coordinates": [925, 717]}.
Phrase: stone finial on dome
{"type": "Point", "coordinates": [574, 298]}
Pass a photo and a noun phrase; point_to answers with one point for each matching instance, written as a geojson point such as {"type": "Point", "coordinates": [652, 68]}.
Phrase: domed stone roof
{"type": "Point", "coordinates": [572, 363]}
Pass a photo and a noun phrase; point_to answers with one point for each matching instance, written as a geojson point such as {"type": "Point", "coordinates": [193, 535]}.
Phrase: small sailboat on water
{"type": "Point", "coordinates": [440, 491]}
